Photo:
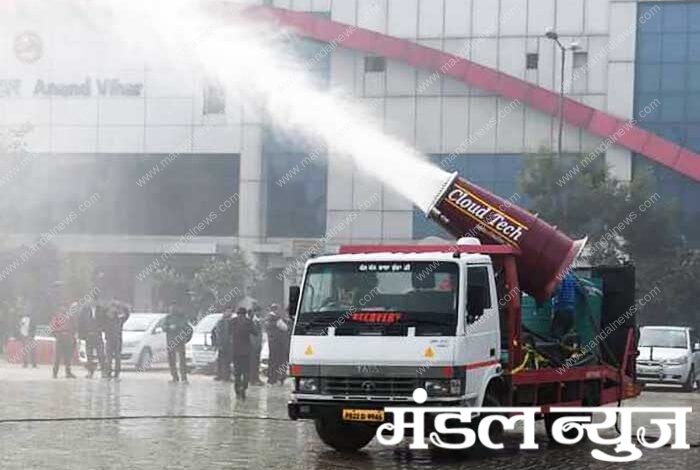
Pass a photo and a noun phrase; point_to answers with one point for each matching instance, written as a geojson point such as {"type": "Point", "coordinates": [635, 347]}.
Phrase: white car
{"type": "Point", "coordinates": [143, 340]}
{"type": "Point", "coordinates": [200, 351]}
{"type": "Point", "coordinates": [669, 355]}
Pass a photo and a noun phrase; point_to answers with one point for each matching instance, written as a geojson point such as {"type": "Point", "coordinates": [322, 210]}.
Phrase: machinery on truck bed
{"type": "Point", "coordinates": [464, 322]}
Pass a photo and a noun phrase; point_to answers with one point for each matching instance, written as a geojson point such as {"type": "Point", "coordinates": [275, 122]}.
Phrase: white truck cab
{"type": "Point", "coordinates": [370, 328]}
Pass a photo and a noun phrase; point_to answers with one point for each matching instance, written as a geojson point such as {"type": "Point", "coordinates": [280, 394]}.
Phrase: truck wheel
{"type": "Point", "coordinates": [691, 385]}
{"type": "Point", "coordinates": [344, 437]}
{"type": "Point", "coordinates": [496, 430]}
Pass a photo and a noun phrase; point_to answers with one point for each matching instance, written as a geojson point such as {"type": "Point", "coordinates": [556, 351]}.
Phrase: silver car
{"type": "Point", "coordinates": [669, 355]}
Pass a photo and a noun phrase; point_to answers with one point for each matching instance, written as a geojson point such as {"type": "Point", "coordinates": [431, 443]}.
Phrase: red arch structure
{"type": "Point", "coordinates": [593, 120]}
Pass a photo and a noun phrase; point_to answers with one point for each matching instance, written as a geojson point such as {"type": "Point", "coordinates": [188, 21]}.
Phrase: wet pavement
{"type": "Point", "coordinates": [202, 425]}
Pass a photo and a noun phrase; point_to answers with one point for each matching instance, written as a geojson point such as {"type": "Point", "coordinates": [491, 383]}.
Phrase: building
{"type": "Point", "coordinates": [111, 123]}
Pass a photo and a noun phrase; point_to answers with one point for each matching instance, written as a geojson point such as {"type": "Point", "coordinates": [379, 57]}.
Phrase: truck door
{"type": "Point", "coordinates": [480, 326]}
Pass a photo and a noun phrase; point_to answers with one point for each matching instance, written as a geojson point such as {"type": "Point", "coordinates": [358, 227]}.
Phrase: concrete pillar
{"type": "Point", "coordinates": [252, 182]}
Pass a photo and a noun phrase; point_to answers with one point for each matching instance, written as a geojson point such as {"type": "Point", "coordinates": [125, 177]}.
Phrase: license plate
{"type": "Point", "coordinates": [373, 416]}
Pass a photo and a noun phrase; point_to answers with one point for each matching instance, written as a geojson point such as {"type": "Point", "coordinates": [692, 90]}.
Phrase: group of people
{"type": "Point", "coordinates": [237, 337]}
{"type": "Point", "coordinates": [99, 325]}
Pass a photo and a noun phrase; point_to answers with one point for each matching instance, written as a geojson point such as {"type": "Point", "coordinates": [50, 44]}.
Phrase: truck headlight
{"type": "Point", "coordinates": [443, 387]}
{"type": "Point", "coordinates": [675, 361]}
{"type": "Point", "coordinates": [130, 344]}
{"type": "Point", "coordinates": [308, 385]}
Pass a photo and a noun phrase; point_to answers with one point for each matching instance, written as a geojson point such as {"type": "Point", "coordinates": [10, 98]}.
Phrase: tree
{"type": "Point", "coordinates": [222, 280]}
{"type": "Point", "coordinates": [171, 285]}
{"type": "Point", "coordinates": [593, 203]}
{"type": "Point", "coordinates": [77, 275]}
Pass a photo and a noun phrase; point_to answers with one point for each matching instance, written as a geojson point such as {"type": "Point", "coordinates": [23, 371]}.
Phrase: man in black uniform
{"type": "Point", "coordinates": [90, 321]}
{"type": "Point", "coordinates": [242, 327]}
{"type": "Point", "coordinates": [116, 315]}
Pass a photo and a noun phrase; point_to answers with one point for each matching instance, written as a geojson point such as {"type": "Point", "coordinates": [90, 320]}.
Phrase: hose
{"type": "Point", "coordinates": [138, 417]}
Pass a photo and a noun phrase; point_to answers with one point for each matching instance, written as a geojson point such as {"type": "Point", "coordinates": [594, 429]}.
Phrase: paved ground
{"type": "Point", "coordinates": [258, 436]}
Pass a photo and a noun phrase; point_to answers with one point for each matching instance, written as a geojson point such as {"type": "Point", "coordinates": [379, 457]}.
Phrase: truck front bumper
{"type": "Point", "coordinates": [333, 409]}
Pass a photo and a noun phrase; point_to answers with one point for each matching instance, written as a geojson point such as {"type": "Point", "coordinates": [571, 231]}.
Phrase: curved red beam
{"type": "Point", "coordinates": [593, 120]}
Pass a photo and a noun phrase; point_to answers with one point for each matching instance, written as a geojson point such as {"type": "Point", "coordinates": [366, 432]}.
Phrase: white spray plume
{"type": "Point", "coordinates": [246, 57]}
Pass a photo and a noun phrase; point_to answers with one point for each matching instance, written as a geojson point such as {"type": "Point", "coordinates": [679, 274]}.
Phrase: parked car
{"type": "Point", "coordinates": [669, 355]}
{"type": "Point", "coordinates": [200, 351]}
{"type": "Point", "coordinates": [143, 340]}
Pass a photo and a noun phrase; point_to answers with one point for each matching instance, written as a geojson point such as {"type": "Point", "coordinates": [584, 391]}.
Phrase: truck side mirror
{"type": "Point", "coordinates": [696, 347]}
{"type": "Point", "coordinates": [293, 300]}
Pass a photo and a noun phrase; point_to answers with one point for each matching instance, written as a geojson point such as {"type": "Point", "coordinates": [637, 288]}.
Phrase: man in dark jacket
{"type": "Point", "coordinates": [90, 321]}
{"type": "Point", "coordinates": [178, 332]}
{"type": "Point", "coordinates": [242, 328]}
{"type": "Point", "coordinates": [63, 329]}
{"type": "Point", "coordinates": [116, 315]}
{"type": "Point", "coordinates": [221, 338]}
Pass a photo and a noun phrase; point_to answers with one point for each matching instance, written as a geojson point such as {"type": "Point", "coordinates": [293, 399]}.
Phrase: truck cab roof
{"type": "Point", "coordinates": [469, 258]}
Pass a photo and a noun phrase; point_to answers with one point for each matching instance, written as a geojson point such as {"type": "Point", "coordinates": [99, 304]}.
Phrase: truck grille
{"type": "Point", "coordinates": [375, 387]}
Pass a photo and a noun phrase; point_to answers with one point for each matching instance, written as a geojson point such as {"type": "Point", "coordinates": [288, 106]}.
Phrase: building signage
{"type": "Point", "coordinates": [88, 87]}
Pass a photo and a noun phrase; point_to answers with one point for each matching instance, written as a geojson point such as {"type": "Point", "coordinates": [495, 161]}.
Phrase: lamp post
{"type": "Point", "coordinates": [554, 36]}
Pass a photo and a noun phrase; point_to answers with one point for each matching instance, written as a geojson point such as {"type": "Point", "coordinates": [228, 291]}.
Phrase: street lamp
{"type": "Point", "coordinates": [574, 46]}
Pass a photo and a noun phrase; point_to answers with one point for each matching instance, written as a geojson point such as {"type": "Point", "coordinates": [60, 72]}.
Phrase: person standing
{"type": "Point", "coordinates": [241, 329]}
{"type": "Point", "coordinates": [27, 332]}
{"type": "Point", "coordinates": [221, 338]}
{"type": "Point", "coordinates": [256, 345]}
{"type": "Point", "coordinates": [116, 315]}
{"type": "Point", "coordinates": [277, 339]}
{"type": "Point", "coordinates": [90, 326]}
{"type": "Point", "coordinates": [178, 332]}
{"type": "Point", "coordinates": [63, 328]}
{"type": "Point", "coordinates": [564, 306]}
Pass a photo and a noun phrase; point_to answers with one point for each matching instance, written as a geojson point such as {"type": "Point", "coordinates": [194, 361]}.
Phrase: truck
{"type": "Point", "coordinates": [373, 323]}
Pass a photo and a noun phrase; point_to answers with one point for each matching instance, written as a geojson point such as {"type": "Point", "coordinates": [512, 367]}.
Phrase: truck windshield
{"type": "Point", "coordinates": [662, 338]}
{"type": "Point", "coordinates": [380, 298]}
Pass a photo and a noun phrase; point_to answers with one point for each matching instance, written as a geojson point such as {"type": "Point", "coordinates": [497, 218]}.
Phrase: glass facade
{"type": "Point", "coordinates": [173, 201]}
{"type": "Point", "coordinates": [296, 181]}
{"type": "Point", "coordinates": [667, 96]}
{"type": "Point", "coordinates": [496, 173]}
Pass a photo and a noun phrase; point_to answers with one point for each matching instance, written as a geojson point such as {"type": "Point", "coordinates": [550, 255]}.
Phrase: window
{"type": "Point", "coordinates": [478, 292]}
{"type": "Point", "coordinates": [382, 297]}
{"type": "Point", "coordinates": [580, 59]}
{"type": "Point", "coordinates": [214, 99]}
{"type": "Point", "coordinates": [375, 64]}
{"type": "Point", "coordinates": [173, 201]}
{"type": "Point", "coordinates": [296, 194]}
{"type": "Point", "coordinates": [531, 61]}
